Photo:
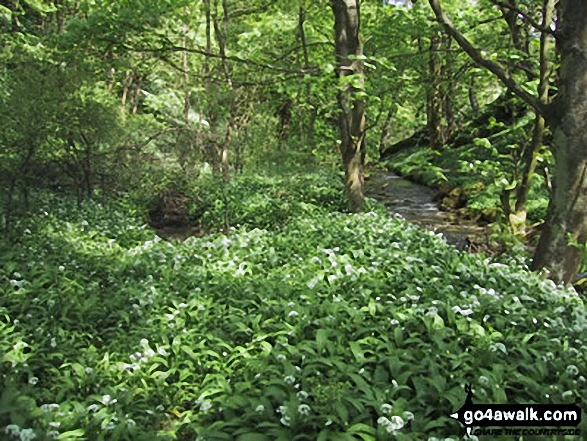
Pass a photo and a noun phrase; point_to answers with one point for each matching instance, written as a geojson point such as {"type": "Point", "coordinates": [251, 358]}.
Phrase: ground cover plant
{"type": "Point", "coordinates": [331, 327]}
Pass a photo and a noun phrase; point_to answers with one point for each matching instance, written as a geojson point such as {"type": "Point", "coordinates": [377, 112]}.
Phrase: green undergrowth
{"type": "Point", "coordinates": [266, 201]}
{"type": "Point", "coordinates": [482, 168]}
{"type": "Point", "coordinates": [333, 327]}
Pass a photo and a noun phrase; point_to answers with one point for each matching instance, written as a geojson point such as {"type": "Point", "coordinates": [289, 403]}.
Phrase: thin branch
{"type": "Point", "coordinates": [526, 17]}
{"type": "Point", "coordinates": [492, 66]}
{"type": "Point", "coordinates": [173, 48]}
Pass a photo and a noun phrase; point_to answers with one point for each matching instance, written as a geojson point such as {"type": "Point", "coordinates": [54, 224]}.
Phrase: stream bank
{"type": "Point", "coordinates": [418, 204]}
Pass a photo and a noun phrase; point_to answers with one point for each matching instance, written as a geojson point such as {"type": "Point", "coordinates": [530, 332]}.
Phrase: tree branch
{"type": "Point", "coordinates": [526, 17]}
{"type": "Point", "coordinates": [173, 48]}
{"type": "Point", "coordinates": [492, 66]}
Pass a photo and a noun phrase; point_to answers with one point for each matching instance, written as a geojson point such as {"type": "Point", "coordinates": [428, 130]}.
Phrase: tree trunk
{"type": "Point", "coordinates": [566, 222]}
{"type": "Point", "coordinates": [386, 129]}
{"type": "Point", "coordinates": [434, 95]}
{"type": "Point", "coordinates": [352, 117]}
{"type": "Point", "coordinates": [529, 155]}
{"type": "Point", "coordinates": [309, 101]}
{"type": "Point", "coordinates": [186, 69]}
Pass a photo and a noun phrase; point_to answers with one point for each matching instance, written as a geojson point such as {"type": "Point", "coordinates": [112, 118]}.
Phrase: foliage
{"type": "Point", "coordinates": [268, 201]}
{"type": "Point", "coordinates": [482, 167]}
{"type": "Point", "coordinates": [335, 326]}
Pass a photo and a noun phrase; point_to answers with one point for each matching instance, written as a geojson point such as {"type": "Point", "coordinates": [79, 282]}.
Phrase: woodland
{"type": "Point", "coordinates": [290, 220]}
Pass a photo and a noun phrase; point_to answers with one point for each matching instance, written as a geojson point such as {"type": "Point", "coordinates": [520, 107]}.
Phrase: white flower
{"type": "Point", "coordinates": [93, 408]}
{"type": "Point", "coordinates": [292, 314]}
{"type": "Point", "coordinates": [49, 407]}
{"type": "Point", "coordinates": [55, 424]}
{"type": "Point", "coordinates": [328, 423]}
{"type": "Point", "coordinates": [282, 409]}
{"type": "Point", "coordinates": [260, 408]}
{"type": "Point", "coordinates": [183, 305]}
{"type": "Point", "coordinates": [408, 416]}
{"type": "Point", "coordinates": [572, 370]}
{"type": "Point", "coordinates": [281, 357]}
{"type": "Point", "coordinates": [205, 406]}
{"type": "Point", "coordinates": [312, 283]}
{"type": "Point", "coordinates": [303, 409]}
{"type": "Point", "coordinates": [159, 408]}
{"type": "Point", "coordinates": [289, 379]}
{"type": "Point", "coordinates": [53, 434]}
{"type": "Point", "coordinates": [162, 351]}
{"type": "Point", "coordinates": [144, 342]}
{"type": "Point", "coordinates": [149, 352]}
{"type": "Point", "coordinates": [383, 421]}
{"type": "Point", "coordinates": [12, 430]}
{"type": "Point", "coordinates": [33, 381]}
{"type": "Point", "coordinates": [107, 399]}
{"type": "Point", "coordinates": [302, 395]}
{"type": "Point", "coordinates": [131, 423]}
{"type": "Point", "coordinates": [386, 408]}
{"type": "Point", "coordinates": [285, 420]}
{"type": "Point", "coordinates": [53, 342]}
{"type": "Point", "coordinates": [27, 435]}
{"type": "Point", "coordinates": [396, 423]}
{"type": "Point", "coordinates": [61, 268]}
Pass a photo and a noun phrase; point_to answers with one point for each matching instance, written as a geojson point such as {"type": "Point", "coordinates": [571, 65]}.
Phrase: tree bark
{"type": "Point", "coordinates": [186, 69]}
{"type": "Point", "coordinates": [529, 155]}
{"type": "Point", "coordinates": [566, 222]}
{"type": "Point", "coordinates": [352, 117]}
{"type": "Point", "coordinates": [434, 95]}
{"type": "Point", "coordinates": [309, 101]}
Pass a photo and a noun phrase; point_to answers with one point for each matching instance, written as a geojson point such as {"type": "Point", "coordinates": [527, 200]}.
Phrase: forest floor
{"type": "Point", "coordinates": [303, 323]}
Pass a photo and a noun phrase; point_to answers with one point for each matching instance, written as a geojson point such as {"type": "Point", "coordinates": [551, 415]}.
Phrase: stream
{"type": "Point", "coordinates": [416, 204]}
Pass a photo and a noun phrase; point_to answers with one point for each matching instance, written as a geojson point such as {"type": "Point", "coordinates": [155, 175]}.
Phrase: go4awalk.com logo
{"type": "Point", "coordinates": [515, 419]}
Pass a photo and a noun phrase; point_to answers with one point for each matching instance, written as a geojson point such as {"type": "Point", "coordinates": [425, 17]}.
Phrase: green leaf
{"type": "Point", "coordinates": [438, 322]}
{"type": "Point", "coordinates": [41, 6]}
{"type": "Point", "coordinates": [362, 430]}
{"type": "Point", "coordinates": [356, 350]}
{"type": "Point", "coordinates": [252, 437]}
{"type": "Point", "coordinates": [321, 339]}
{"type": "Point", "coordinates": [72, 434]}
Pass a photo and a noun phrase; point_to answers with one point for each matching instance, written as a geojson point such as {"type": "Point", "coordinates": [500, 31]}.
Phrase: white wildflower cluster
{"type": "Point", "coordinates": [14, 431]}
{"type": "Point", "coordinates": [302, 395]}
{"type": "Point", "coordinates": [142, 357]}
{"type": "Point", "coordinates": [391, 425]}
{"type": "Point", "coordinates": [304, 409]}
{"type": "Point", "coordinates": [205, 405]}
{"type": "Point", "coordinates": [107, 400]}
{"type": "Point", "coordinates": [285, 419]}
{"type": "Point", "coordinates": [46, 408]}
{"type": "Point", "coordinates": [465, 312]}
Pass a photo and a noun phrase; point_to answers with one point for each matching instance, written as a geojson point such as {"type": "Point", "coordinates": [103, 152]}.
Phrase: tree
{"type": "Point", "coordinates": [349, 57]}
{"type": "Point", "coordinates": [566, 224]}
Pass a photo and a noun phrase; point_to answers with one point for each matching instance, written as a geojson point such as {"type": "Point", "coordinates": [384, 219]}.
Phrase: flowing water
{"type": "Point", "coordinates": [416, 204]}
